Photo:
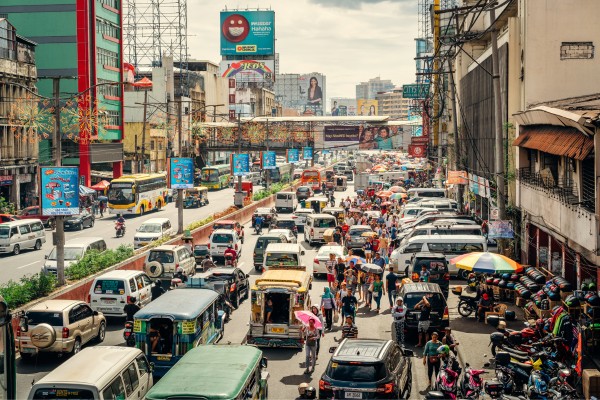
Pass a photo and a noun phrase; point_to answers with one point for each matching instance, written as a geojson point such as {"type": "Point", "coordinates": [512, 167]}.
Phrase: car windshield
{"type": "Point", "coordinates": [109, 286]}
{"type": "Point", "coordinates": [263, 243]}
{"type": "Point", "coordinates": [161, 256]}
{"type": "Point", "coordinates": [358, 232]}
{"type": "Point", "coordinates": [279, 259]}
{"type": "Point", "coordinates": [71, 253]}
{"type": "Point", "coordinates": [436, 300]}
{"type": "Point", "coordinates": [303, 189]}
{"type": "Point", "coordinates": [150, 228]}
{"type": "Point", "coordinates": [432, 265]}
{"type": "Point", "coordinates": [120, 193]}
{"type": "Point", "coordinates": [286, 224]}
{"type": "Point", "coordinates": [356, 372]}
{"type": "Point", "coordinates": [51, 318]}
{"type": "Point", "coordinates": [4, 232]}
{"type": "Point", "coordinates": [221, 238]}
{"type": "Point", "coordinates": [224, 226]}
{"type": "Point", "coordinates": [326, 250]}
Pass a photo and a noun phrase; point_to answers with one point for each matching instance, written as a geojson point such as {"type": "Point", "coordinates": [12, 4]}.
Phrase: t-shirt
{"type": "Point", "coordinates": [425, 312]}
{"type": "Point", "coordinates": [340, 268]}
{"type": "Point", "coordinates": [130, 310]}
{"type": "Point", "coordinates": [349, 303]}
{"type": "Point", "coordinates": [368, 246]}
{"type": "Point", "coordinates": [390, 280]}
{"type": "Point", "coordinates": [399, 312]}
{"type": "Point", "coordinates": [375, 244]}
{"type": "Point", "coordinates": [330, 265]}
{"type": "Point", "coordinates": [424, 276]}
{"type": "Point", "coordinates": [379, 261]}
{"type": "Point", "coordinates": [349, 331]}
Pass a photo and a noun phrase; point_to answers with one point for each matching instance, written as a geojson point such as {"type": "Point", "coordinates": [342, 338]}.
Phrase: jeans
{"type": "Point", "coordinates": [377, 296]}
{"type": "Point", "coordinates": [391, 296]}
{"type": "Point", "coordinates": [311, 351]}
{"type": "Point", "coordinates": [328, 318]}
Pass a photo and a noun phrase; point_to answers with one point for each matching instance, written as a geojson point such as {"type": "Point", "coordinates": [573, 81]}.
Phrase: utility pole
{"type": "Point", "coordinates": [59, 235]}
{"type": "Point", "coordinates": [179, 191]}
{"type": "Point", "coordinates": [143, 161]}
{"type": "Point", "coordinates": [436, 85]}
{"type": "Point", "coordinates": [180, 128]}
{"type": "Point", "coordinates": [457, 139]}
{"type": "Point", "coordinates": [267, 171]}
{"type": "Point", "coordinates": [500, 188]}
{"type": "Point", "coordinates": [239, 149]}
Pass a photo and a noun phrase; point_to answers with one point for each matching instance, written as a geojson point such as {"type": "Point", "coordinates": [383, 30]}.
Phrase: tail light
{"type": "Point", "coordinates": [312, 232]}
{"type": "Point", "coordinates": [446, 277]}
{"type": "Point", "coordinates": [387, 388]}
{"type": "Point", "coordinates": [316, 261]}
{"type": "Point", "coordinates": [208, 245]}
{"type": "Point", "coordinates": [232, 288]}
{"type": "Point", "coordinates": [324, 385]}
{"type": "Point", "coordinates": [18, 331]}
{"type": "Point", "coordinates": [446, 316]}
{"type": "Point", "coordinates": [176, 266]}
{"type": "Point", "coordinates": [89, 298]}
{"type": "Point", "coordinates": [415, 277]}
{"type": "Point", "coordinates": [236, 247]}
{"type": "Point", "coordinates": [65, 333]}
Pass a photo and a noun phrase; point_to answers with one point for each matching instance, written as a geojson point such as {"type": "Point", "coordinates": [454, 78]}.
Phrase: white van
{"type": "Point", "coordinates": [449, 245]}
{"type": "Point", "coordinates": [18, 235]}
{"type": "Point", "coordinates": [285, 202]}
{"type": "Point", "coordinates": [316, 225]}
{"type": "Point", "coordinates": [109, 292]}
{"type": "Point", "coordinates": [282, 255]}
{"type": "Point", "coordinates": [74, 250]}
{"type": "Point", "coordinates": [443, 228]}
{"type": "Point", "coordinates": [151, 230]}
{"type": "Point", "coordinates": [426, 192]}
{"type": "Point", "coordinates": [220, 239]}
{"type": "Point", "coordinates": [98, 372]}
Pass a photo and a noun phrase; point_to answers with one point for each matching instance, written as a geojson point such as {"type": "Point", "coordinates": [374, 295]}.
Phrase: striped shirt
{"type": "Point", "coordinates": [349, 331]}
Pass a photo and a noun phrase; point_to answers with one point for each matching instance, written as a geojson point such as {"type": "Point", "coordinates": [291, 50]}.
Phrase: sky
{"type": "Point", "coordinates": [349, 41]}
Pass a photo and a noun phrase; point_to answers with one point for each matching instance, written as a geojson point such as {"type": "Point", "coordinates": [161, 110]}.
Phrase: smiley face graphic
{"type": "Point", "coordinates": [235, 28]}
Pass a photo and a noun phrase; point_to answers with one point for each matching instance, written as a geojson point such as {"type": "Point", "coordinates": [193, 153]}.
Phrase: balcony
{"type": "Point", "coordinates": [565, 191]}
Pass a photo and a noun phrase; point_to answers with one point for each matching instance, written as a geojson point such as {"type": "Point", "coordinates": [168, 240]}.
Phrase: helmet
{"type": "Point", "coordinates": [310, 393]}
{"type": "Point", "coordinates": [302, 388]}
{"type": "Point", "coordinates": [444, 349]}
{"type": "Point", "coordinates": [180, 269]}
{"type": "Point", "coordinates": [229, 245]}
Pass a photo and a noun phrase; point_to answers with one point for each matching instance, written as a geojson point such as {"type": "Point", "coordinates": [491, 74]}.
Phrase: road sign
{"type": "Point", "coordinates": [415, 91]}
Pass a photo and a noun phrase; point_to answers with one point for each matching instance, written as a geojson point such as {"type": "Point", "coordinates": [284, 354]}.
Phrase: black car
{"type": "Point", "coordinates": [303, 192]}
{"type": "Point", "coordinates": [367, 369]}
{"type": "Point", "coordinates": [78, 222]}
{"type": "Point", "coordinates": [239, 282]}
{"type": "Point", "coordinates": [267, 215]}
{"type": "Point", "coordinates": [412, 293]}
{"type": "Point", "coordinates": [284, 222]}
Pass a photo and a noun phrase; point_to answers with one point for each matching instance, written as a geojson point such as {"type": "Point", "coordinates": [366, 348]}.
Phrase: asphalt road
{"type": "Point", "coordinates": [31, 261]}
{"type": "Point", "coordinates": [286, 367]}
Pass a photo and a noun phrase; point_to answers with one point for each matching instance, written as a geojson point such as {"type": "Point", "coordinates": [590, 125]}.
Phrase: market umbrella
{"type": "Point", "coordinates": [487, 263]}
{"type": "Point", "coordinates": [100, 185]}
{"type": "Point", "coordinates": [396, 189]}
{"type": "Point", "coordinates": [402, 190]}
{"type": "Point", "coordinates": [305, 316]}
{"type": "Point", "coordinates": [357, 260]}
{"type": "Point", "coordinates": [398, 196]}
{"type": "Point", "coordinates": [384, 193]}
{"type": "Point", "coordinates": [371, 268]}
{"type": "Point", "coordinates": [386, 203]}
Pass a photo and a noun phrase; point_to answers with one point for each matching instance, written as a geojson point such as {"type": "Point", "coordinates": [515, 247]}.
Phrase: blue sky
{"type": "Point", "coordinates": [347, 40]}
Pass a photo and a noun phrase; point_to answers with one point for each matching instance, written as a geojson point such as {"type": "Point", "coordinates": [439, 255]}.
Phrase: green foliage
{"type": "Point", "coordinates": [6, 207]}
{"type": "Point", "coordinates": [95, 261]}
{"type": "Point", "coordinates": [198, 224]}
{"type": "Point", "coordinates": [28, 288]}
{"type": "Point", "coordinates": [274, 188]}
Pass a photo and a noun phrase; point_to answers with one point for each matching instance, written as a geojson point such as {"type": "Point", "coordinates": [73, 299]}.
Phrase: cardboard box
{"type": "Point", "coordinates": [591, 383]}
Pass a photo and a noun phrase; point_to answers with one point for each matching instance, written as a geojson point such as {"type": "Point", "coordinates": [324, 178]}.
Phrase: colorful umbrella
{"type": "Point", "coordinates": [396, 189]}
{"type": "Point", "coordinates": [305, 316]}
{"type": "Point", "coordinates": [487, 262]}
{"type": "Point", "coordinates": [384, 193]}
{"type": "Point", "coordinates": [398, 196]}
{"type": "Point", "coordinates": [357, 260]}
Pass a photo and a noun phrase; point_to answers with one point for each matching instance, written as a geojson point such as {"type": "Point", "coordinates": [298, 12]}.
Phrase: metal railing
{"type": "Point", "coordinates": [564, 190]}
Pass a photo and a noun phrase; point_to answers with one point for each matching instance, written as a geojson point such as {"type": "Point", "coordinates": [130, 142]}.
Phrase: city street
{"type": "Point", "coordinates": [286, 367]}
{"type": "Point", "coordinates": [31, 261]}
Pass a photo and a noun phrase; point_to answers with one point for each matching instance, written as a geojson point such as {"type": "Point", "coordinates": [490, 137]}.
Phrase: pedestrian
{"type": "Point", "coordinates": [315, 311]}
{"type": "Point", "coordinates": [424, 321]}
{"type": "Point", "coordinates": [368, 248]}
{"type": "Point", "coordinates": [349, 304]}
{"type": "Point", "coordinates": [328, 307]}
{"type": "Point", "coordinates": [349, 330]}
{"type": "Point", "coordinates": [449, 340]}
{"type": "Point", "coordinates": [378, 291]}
{"type": "Point", "coordinates": [330, 267]}
{"type": "Point", "coordinates": [431, 357]}
{"type": "Point", "coordinates": [130, 308]}
{"type": "Point", "coordinates": [342, 293]}
{"type": "Point", "coordinates": [390, 282]}
{"type": "Point", "coordinates": [340, 268]}
{"type": "Point", "coordinates": [384, 246]}
{"type": "Point", "coordinates": [156, 291]}
{"type": "Point", "coordinates": [360, 279]}
{"type": "Point", "coordinates": [102, 207]}
{"type": "Point", "coordinates": [424, 274]}
{"type": "Point", "coordinates": [399, 313]}
{"type": "Point", "coordinates": [350, 277]}
{"type": "Point", "coordinates": [380, 262]}
{"type": "Point", "coordinates": [368, 280]}
{"type": "Point", "coordinates": [95, 206]}
{"type": "Point", "coordinates": [337, 235]}
{"type": "Point", "coordinates": [311, 335]}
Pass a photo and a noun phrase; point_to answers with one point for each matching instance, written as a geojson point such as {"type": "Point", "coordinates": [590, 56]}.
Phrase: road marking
{"type": "Point", "coordinates": [27, 265]}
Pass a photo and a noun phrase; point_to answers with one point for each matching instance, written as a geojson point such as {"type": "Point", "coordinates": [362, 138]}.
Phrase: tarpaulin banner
{"type": "Point", "coordinates": [417, 150]}
{"type": "Point", "coordinates": [457, 178]}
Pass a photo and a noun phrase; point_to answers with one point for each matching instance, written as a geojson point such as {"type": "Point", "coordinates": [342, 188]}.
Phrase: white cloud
{"type": "Point", "coordinates": [347, 40]}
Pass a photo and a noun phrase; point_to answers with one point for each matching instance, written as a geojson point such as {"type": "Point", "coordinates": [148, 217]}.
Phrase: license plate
{"type": "Point", "coordinates": [278, 330]}
{"type": "Point", "coordinates": [353, 395]}
{"type": "Point", "coordinates": [163, 358]}
{"type": "Point", "coordinates": [27, 350]}
{"type": "Point", "coordinates": [144, 243]}
{"type": "Point", "coordinates": [109, 301]}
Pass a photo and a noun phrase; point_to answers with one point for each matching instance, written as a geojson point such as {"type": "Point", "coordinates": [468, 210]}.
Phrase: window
{"type": "Point", "coordinates": [111, 3]}
{"type": "Point", "coordinates": [132, 285]}
{"type": "Point", "coordinates": [115, 390]}
{"type": "Point", "coordinates": [152, 144]}
{"type": "Point", "coordinates": [85, 312]}
{"type": "Point", "coordinates": [107, 28]}
{"type": "Point", "coordinates": [108, 88]}
{"type": "Point", "coordinates": [109, 286]}
{"type": "Point", "coordinates": [130, 377]}
{"type": "Point", "coordinates": [75, 314]}
{"type": "Point", "coordinates": [142, 365]}
{"type": "Point", "coordinates": [37, 227]}
{"type": "Point", "coordinates": [107, 57]}
{"type": "Point", "coordinates": [24, 229]}
{"type": "Point", "coordinates": [413, 248]}
{"type": "Point", "coordinates": [113, 118]}
{"type": "Point", "coordinates": [147, 281]}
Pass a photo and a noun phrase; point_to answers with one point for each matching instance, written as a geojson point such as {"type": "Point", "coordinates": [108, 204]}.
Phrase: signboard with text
{"type": "Point", "coordinates": [248, 32]}
{"type": "Point", "coordinates": [307, 153]}
{"type": "Point", "coordinates": [293, 155]}
{"type": "Point", "coordinates": [59, 188]}
{"type": "Point", "coordinates": [415, 91]}
{"type": "Point", "coordinates": [181, 173]}
{"type": "Point", "coordinates": [241, 164]}
{"type": "Point", "coordinates": [269, 160]}
{"type": "Point", "coordinates": [501, 230]}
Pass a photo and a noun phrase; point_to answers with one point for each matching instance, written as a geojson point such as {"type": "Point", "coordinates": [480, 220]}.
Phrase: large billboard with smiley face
{"type": "Point", "coordinates": [245, 33]}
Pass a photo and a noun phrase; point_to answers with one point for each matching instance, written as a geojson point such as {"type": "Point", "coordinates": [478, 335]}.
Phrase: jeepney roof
{"type": "Point", "coordinates": [297, 279]}
{"type": "Point", "coordinates": [180, 304]}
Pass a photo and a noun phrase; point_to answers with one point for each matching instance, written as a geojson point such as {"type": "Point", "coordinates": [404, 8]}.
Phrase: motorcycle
{"type": "Point", "coordinates": [229, 261]}
{"type": "Point", "coordinates": [495, 389]}
{"type": "Point", "coordinates": [513, 375]}
{"type": "Point", "coordinates": [120, 229]}
{"type": "Point", "coordinates": [471, 385]}
{"type": "Point", "coordinates": [467, 305]}
{"type": "Point", "coordinates": [446, 383]}
{"type": "Point", "coordinates": [560, 385]}
{"type": "Point", "coordinates": [128, 334]}
{"type": "Point", "coordinates": [258, 228]}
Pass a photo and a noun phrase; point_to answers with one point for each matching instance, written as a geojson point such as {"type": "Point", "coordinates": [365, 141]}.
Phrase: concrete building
{"type": "Point", "coordinates": [368, 90]}
{"type": "Point", "coordinates": [255, 102]}
{"type": "Point", "coordinates": [393, 104]}
{"type": "Point", "coordinates": [18, 138]}
{"type": "Point", "coordinates": [80, 43]}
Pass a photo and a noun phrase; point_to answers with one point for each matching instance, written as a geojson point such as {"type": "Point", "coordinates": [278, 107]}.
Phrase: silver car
{"type": "Point", "coordinates": [354, 238]}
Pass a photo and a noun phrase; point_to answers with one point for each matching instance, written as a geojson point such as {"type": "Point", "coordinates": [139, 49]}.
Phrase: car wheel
{"type": "Point", "coordinates": [16, 250]}
{"type": "Point", "coordinates": [38, 245]}
{"type": "Point", "coordinates": [80, 227]}
{"type": "Point", "coordinates": [408, 386]}
{"type": "Point", "coordinates": [247, 293]}
{"type": "Point", "coordinates": [76, 346]}
{"type": "Point", "coordinates": [101, 333]}
{"type": "Point", "coordinates": [463, 274]}
{"type": "Point", "coordinates": [92, 223]}
{"type": "Point", "coordinates": [236, 300]}
{"type": "Point", "coordinates": [158, 205]}
{"type": "Point", "coordinates": [141, 211]}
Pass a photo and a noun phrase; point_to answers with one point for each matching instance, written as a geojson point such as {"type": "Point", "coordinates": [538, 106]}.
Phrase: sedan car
{"type": "Point", "coordinates": [77, 222]}
{"type": "Point", "coordinates": [303, 192]}
{"type": "Point", "coordinates": [354, 238]}
{"type": "Point", "coordinates": [287, 233]}
{"type": "Point", "coordinates": [239, 282]}
{"type": "Point", "coordinates": [323, 255]}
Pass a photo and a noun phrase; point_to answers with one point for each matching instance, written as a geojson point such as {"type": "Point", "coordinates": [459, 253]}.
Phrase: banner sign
{"type": "Point", "coordinates": [341, 133]}
{"type": "Point", "coordinates": [247, 32]}
{"type": "Point", "coordinates": [457, 178]}
{"type": "Point", "coordinates": [474, 183]}
{"type": "Point", "coordinates": [249, 70]}
{"type": "Point", "coordinates": [307, 153]}
{"type": "Point", "coordinates": [6, 180]}
{"type": "Point", "coordinates": [293, 155]}
{"type": "Point", "coordinates": [181, 173]}
{"type": "Point", "coordinates": [269, 160]}
{"type": "Point", "coordinates": [417, 150]}
{"type": "Point", "coordinates": [501, 229]}
{"type": "Point", "coordinates": [60, 190]}
{"type": "Point", "coordinates": [241, 164]}
{"type": "Point", "coordinates": [415, 91]}
{"type": "Point", "coordinates": [419, 140]}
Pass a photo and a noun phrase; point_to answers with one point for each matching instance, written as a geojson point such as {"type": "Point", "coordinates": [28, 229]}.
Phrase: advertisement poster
{"type": "Point", "coordinates": [457, 178]}
{"type": "Point", "coordinates": [260, 71]}
{"type": "Point", "coordinates": [474, 183]}
{"type": "Point", "coordinates": [501, 230]}
{"type": "Point", "coordinates": [181, 172]}
{"type": "Point", "coordinates": [269, 160]}
{"type": "Point", "coordinates": [417, 150]}
{"type": "Point", "coordinates": [293, 155]}
{"type": "Point", "coordinates": [365, 107]}
{"type": "Point", "coordinates": [312, 93]}
{"type": "Point", "coordinates": [241, 164]}
{"type": "Point", "coordinates": [247, 32]}
{"type": "Point", "coordinates": [380, 137]}
{"type": "Point", "coordinates": [307, 153]}
{"type": "Point", "coordinates": [60, 190]}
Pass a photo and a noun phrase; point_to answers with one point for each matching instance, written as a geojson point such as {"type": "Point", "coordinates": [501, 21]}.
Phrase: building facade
{"type": "Point", "coordinates": [18, 138]}
{"type": "Point", "coordinates": [82, 47]}
{"type": "Point", "coordinates": [368, 90]}
{"type": "Point", "coordinates": [393, 104]}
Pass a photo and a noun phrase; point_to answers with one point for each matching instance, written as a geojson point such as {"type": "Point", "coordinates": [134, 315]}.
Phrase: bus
{"type": "Point", "coordinates": [8, 370]}
{"type": "Point", "coordinates": [312, 178]}
{"type": "Point", "coordinates": [281, 173]}
{"type": "Point", "coordinates": [216, 176]}
{"type": "Point", "coordinates": [137, 193]}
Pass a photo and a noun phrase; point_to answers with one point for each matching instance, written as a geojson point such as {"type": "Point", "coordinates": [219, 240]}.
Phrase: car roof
{"type": "Point", "coordinates": [169, 247]}
{"type": "Point", "coordinates": [223, 270]}
{"type": "Point", "coordinates": [119, 273]}
{"type": "Point", "coordinates": [155, 221]}
{"type": "Point", "coordinates": [365, 227]}
{"type": "Point", "coordinates": [368, 350]}
{"type": "Point", "coordinates": [180, 304]}
{"type": "Point", "coordinates": [270, 235]}
{"type": "Point", "coordinates": [421, 287]}
{"type": "Point", "coordinates": [283, 247]}
{"type": "Point", "coordinates": [83, 240]}
{"type": "Point", "coordinates": [263, 209]}
{"type": "Point", "coordinates": [428, 254]}
{"type": "Point", "coordinates": [284, 218]}
{"type": "Point", "coordinates": [226, 221]}
{"type": "Point", "coordinates": [224, 231]}
{"type": "Point", "coordinates": [282, 231]}
{"type": "Point", "coordinates": [54, 305]}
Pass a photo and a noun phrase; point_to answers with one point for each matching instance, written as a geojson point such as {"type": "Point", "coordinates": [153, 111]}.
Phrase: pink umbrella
{"type": "Point", "coordinates": [304, 316]}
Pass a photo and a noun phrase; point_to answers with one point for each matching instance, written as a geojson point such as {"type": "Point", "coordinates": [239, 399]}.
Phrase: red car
{"type": "Point", "coordinates": [7, 218]}
{"type": "Point", "coordinates": [230, 224]}
{"type": "Point", "coordinates": [34, 212]}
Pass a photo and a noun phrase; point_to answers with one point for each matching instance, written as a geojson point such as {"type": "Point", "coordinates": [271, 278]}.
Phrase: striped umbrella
{"type": "Point", "coordinates": [487, 263]}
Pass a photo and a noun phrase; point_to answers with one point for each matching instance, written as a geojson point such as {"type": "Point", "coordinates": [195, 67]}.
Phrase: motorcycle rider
{"type": "Point", "coordinates": [130, 308]}
{"type": "Point", "coordinates": [258, 223]}
{"type": "Point", "coordinates": [448, 361]}
{"type": "Point", "coordinates": [232, 253]}
{"type": "Point", "coordinates": [180, 275]}
{"type": "Point", "coordinates": [120, 220]}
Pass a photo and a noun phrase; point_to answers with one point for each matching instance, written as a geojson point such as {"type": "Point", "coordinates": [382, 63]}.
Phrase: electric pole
{"type": "Point", "coordinates": [59, 235]}
{"type": "Point", "coordinates": [457, 139]}
{"type": "Point", "coordinates": [436, 85]}
{"type": "Point", "coordinates": [143, 161]}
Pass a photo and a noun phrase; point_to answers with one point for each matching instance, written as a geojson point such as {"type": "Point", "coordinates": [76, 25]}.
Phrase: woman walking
{"type": "Point", "coordinates": [315, 311]}
{"type": "Point", "coordinates": [368, 290]}
{"type": "Point", "coordinates": [311, 335]}
{"type": "Point", "coordinates": [431, 357]}
{"type": "Point", "coordinates": [328, 307]}
{"type": "Point", "coordinates": [378, 291]}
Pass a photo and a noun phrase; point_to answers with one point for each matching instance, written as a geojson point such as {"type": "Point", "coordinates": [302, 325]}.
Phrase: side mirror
{"type": "Point", "coordinates": [46, 256]}
{"type": "Point", "coordinates": [408, 353]}
{"type": "Point", "coordinates": [302, 252]}
{"type": "Point", "coordinates": [264, 362]}
{"type": "Point", "coordinates": [23, 324]}
{"type": "Point", "coordinates": [247, 275]}
{"type": "Point", "coordinates": [332, 349]}
{"type": "Point", "coordinates": [151, 367]}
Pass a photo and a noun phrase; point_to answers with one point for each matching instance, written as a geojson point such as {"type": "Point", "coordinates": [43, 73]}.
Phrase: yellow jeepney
{"type": "Point", "coordinates": [338, 212]}
{"type": "Point", "coordinates": [275, 296]}
{"type": "Point", "coordinates": [317, 203]}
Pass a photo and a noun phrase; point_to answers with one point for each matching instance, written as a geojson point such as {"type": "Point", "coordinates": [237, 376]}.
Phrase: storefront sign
{"type": "Point", "coordinates": [59, 190]}
{"type": "Point", "coordinates": [501, 230]}
{"type": "Point", "coordinates": [181, 172]}
{"type": "Point", "coordinates": [417, 150]}
{"type": "Point", "coordinates": [457, 178]}
{"type": "Point", "coordinates": [6, 180]}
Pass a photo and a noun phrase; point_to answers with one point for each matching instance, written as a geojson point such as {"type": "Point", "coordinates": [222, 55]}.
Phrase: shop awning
{"type": "Point", "coordinates": [86, 191]}
{"type": "Point", "coordinates": [101, 185]}
{"type": "Point", "coordinates": [557, 140]}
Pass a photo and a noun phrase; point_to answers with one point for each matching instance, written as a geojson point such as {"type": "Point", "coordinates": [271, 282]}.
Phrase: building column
{"type": "Point", "coordinates": [564, 266]}
{"type": "Point", "coordinates": [85, 167]}
{"type": "Point", "coordinates": [537, 247]}
{"type": "Point", "coordinates": [15, 189]}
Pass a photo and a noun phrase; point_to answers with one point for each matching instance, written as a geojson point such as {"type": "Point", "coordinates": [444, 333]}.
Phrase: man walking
{"type": "Point", "coordinates": [390, 282]}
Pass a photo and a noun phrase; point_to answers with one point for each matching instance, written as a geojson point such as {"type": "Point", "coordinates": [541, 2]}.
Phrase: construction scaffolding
{"type": "Point", "coordinates": [157, 28]}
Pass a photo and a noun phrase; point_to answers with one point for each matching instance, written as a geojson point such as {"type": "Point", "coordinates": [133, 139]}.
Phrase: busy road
{"type": "Point", "coordinates": [31, 261]}
{"type": "Point", "coordinates": [286, 367]}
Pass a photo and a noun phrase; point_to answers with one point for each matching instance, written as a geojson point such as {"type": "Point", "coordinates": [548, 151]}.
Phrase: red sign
{"type": "Point", "coordinates": [232, 98]}
{"type": "Point", "coordinates": [419, 140]}
{"type": "Point", "coordinates": [457, 177]}
{"type": "Point", "coordinates": [417, 150]}
{"type": "Point", "coordinates": [231, 83]}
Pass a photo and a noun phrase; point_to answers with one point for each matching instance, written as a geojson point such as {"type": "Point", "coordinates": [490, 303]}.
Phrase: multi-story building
{"type": "Point", "coordinates": [393, 104]}
{"type": "Point", "coordinates": [79, 43]}
{"type": "Point", "coordinates": [368, 90]}
{"type": "Point", "coordinates": [19, 151]}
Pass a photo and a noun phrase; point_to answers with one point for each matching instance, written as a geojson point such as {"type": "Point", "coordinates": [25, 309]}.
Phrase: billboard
{"type": "Point", "coordinates": [181, 173]}
{"type": "Point", "coordinates": [59, 188]}
{"type": "Point", "coordinates": [312, 94]}
{"type": "Point", "coordinates": [241, 164]}
{"type": "Point", "coordinates": [307, 153]}
{"type": "Point", "coordinates": [366, 107]}
{"type": "Point", "coordinates": [247, 32]}
{"type": "Point", "coordinates": [342, 107]}
{"type": "Point", "coordinates": [248, 70]}
{"type": "Point", "coordinates": [293, 155]}
{"type": "Point", "coordinates": [269, 160]}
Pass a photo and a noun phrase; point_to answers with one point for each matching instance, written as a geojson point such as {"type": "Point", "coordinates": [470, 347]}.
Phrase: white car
{"type": "Point", "coordinates": [289, 235]}
{"type": "Point", "coordinates": [323, 255]}
{"type": "Point", "coordinates": [374, 214]}
{"type": "Point", "coordinates": [300, 215]}
{"type": "Point", "coordinates": [220, 239]}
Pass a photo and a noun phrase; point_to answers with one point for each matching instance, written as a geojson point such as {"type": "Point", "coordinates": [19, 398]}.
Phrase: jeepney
{"type": "Point", "coordinates": [338, 212]}
{"type": "Point", "coordinates": [317, 203]}
{"type": "Point", "coordinates": [341, 183]}
{"type": "Point", "coordinates": [196, 197]}
{"type": "Point", "coordinates": [275, 296]}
